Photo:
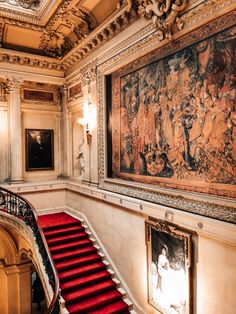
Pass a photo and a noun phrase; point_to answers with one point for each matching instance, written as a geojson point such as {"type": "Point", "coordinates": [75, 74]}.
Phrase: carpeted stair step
{"type": "Point", "coordinates": [77, 262]}
{"type": "Point", "coordinates": [85, 283]}
{"type": "Point", "coordinates": [85, 292]}
{"type": "Point", "coordinates": [64, 255]}
{"type": "Point", "coordinates": [68, 246]}
{"type": "Point", "coordinates": [81, 271]}
{"type": "Point", "coordinates": [117, 307]}
{"type": "Point", "coordinates": [89, 304]}
{"type": "Point", "coordinates": [68, 238]}
{"type": "Point", "coordinates": [85, 280]}
{"type": "Point", "coordinates": [61, 225]}
{"type": "Point", "coordinates": [63, 230]}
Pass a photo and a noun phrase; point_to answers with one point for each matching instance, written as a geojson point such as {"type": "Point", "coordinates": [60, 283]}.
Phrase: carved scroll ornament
{"type": "Point", "coordinates": [164, 14]}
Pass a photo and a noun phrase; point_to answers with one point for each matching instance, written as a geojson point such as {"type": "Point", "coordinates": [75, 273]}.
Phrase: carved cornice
{"type": "Point", "coordinates": [121, 20]}
{"type": "Point", "coordinates": [28, 60]}
{"type": "Point", "coordinates": [32, 77]}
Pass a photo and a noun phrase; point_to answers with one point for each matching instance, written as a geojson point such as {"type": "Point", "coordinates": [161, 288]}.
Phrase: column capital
{"type": "Point", "coordinates": [14, 83]}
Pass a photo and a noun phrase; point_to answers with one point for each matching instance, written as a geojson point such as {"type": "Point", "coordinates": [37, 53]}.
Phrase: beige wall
{"type": "Point", "coordinates": [32, 119]}
{"type": "Point", "coordinates": [122, 233]}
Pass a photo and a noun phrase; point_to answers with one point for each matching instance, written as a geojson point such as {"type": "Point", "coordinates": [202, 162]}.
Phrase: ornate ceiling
{"type": "Point", "coordinates": [50, 27]}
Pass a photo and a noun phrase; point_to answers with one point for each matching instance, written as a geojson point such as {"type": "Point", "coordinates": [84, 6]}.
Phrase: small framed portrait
{"type": "Point", "coordinates": [169, 261]}
{"type": "Point", "coordinates": [39, 149]}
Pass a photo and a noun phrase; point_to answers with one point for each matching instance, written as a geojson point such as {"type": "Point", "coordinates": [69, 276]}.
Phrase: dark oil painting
{"type": "Point", "coordinates": [174, 120]}
{"type": "Point", "coordinates": [39, 149]}
{"type": "Point", "coordinates": [38, 95]}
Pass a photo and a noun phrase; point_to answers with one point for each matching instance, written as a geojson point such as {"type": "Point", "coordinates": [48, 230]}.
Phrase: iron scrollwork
{"type": "Point", "coordinates": [17, 206]}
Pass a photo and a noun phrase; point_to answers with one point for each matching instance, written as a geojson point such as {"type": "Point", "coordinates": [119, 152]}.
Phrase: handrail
{"type": "Point", "coordinates": [16, 205]}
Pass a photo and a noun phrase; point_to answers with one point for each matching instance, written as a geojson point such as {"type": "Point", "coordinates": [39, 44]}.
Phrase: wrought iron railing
{"type": "Point", "coordinates": [21, 208]}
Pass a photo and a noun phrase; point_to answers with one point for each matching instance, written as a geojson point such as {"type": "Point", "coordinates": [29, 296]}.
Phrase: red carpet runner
{"type": "Point", "coordinates": [86, 285]}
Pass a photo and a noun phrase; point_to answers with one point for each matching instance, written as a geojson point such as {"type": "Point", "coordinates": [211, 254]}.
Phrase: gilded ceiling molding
{"type": "Point", "coordinates": [26, 4]}
{"type": "Point", "coordinates": [117, 24]}
{"type": "Point", "coordinates": [22, 24]}
{"type": "Point", "coordinates": [30, 61]}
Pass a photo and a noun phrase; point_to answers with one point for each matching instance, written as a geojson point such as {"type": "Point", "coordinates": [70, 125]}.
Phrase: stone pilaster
{"type": "Point", "coordinates": [94, 142]}
{"type": "Point", "coordinates": [15, 130]}
{"type": "Point", "coordinates": [66, 131]}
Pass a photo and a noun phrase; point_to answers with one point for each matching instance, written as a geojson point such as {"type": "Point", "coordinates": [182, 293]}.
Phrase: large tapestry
{"type": "Point", "coordinates": [174, 119]}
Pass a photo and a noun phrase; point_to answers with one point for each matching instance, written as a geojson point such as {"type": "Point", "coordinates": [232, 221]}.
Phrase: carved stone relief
{"type": "Point", "coordinates": [54, 44]}
{"type": "Point", "coordinates": [164, 14]}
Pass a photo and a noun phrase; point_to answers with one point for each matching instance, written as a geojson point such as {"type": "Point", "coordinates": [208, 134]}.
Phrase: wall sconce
{"type": "Point", "coordinates": [88, 121]}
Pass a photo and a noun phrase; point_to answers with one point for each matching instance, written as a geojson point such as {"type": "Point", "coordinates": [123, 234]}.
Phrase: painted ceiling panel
{"type": "Point", "coordinates": [22, 37]}
{"type": "Point", "coordinates": [51, 27]}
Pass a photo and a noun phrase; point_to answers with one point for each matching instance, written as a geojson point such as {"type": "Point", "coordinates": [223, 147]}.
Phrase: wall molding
{"type": "Point", "coordinates": [203, 226]}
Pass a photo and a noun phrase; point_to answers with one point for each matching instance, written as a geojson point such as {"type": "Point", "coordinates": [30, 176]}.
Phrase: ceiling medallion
{"type": "Point", "coordinates": [26, 4]}
{"type": "Point", "coordinates": [164, 14]}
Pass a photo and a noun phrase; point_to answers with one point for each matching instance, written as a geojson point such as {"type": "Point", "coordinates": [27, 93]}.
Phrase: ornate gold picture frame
{"type": "Point", "coordinates": [169, 264]}
{"type": "Point", "coordinates": [39, 149]}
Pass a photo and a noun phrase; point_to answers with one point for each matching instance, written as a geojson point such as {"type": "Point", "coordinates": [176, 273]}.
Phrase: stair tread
{"type": "Point", "coordinates": [79, 271]}
{"type": "Point", "coordinates": [86, 284]}
{"type": "Point", "coordinates": [100, 275]}
{"type": "Point", "coordinates": [76, 252]}
{"type": "Point", "coordinates": [59, 226]}
{"type": "Point", "coordinates": [69, 229]}
{"type": "Point", "coordinates": [78, 261]}
{"type": "Point", "coordinates": [83, 242]}
{"type": "Point", "coordinates": [89, 291]}
{"type": "Point", "coordinates": [69, 237]}
{"type": "Point", "coordinates": [94, 302]}
{"type": "Point", "coordinates": [117, 307]}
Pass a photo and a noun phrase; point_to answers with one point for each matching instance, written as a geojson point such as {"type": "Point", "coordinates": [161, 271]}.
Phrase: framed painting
{"type": "Point", "coordinates": [38, 95]}
{"type": "Point", "coordinates": [39, 149]}
{"type": "Point", "coordinates": [169, 262]}
{"type": "Point", "coordinates": [170, 118]}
